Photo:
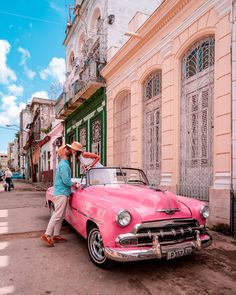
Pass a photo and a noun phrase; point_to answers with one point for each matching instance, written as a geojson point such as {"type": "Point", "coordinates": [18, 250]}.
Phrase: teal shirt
{"type": "Point", "coordinates": [62, 181]}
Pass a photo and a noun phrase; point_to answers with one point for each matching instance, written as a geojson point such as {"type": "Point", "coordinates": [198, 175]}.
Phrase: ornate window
{"type": "Point", "coordinates": [200, 57]}
{"type": "Point", "coordinates": [152, 125]}
{"type": "Point", "coordinates": [152, 85]}
{"type": "Point", "coordinates": [96, 136]}
{"type": "Point", "coordinates": [197, 119]}
{"type": "Point", "coordinates": [82, 136]}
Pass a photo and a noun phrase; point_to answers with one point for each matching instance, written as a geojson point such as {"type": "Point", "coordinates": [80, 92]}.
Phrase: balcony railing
{"type": "Point", "coordinates": [81, 84]}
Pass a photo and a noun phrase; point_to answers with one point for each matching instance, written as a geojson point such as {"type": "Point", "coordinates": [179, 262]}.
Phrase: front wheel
{"type": "Point", "coordinates": [96, 248]}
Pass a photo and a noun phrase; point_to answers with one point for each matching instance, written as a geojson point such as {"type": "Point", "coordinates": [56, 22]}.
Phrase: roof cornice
{"type": "Point", "coordinates": [160, 17]}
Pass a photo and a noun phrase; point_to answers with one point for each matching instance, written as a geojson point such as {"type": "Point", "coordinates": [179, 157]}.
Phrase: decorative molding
{"type": "Point", "coordinates": [166, 179]}
{"type": "Point", "coordinates": [166, 48]}
{"type": "Point", "coordinates": [222, 180]}
{"type": "Point", "coordinates": [163, 45]}
{"type": "Point", "coordinates": [223, 7]}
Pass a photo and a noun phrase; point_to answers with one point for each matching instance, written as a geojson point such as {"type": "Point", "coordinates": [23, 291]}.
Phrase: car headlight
{"type": "Point", "coordinates": [205, 212]}
{"type": "Point", "coordinates": [123, 218]}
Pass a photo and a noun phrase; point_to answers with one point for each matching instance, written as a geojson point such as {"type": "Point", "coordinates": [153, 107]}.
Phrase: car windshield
{"type": "Point", "coordinates": [107, 175]}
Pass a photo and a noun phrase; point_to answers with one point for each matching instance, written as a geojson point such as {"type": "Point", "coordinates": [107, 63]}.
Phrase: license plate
{"type": "Point", "coordinates": [179, 252]}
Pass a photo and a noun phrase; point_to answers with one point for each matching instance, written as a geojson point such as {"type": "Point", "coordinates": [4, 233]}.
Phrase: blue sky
{"type": "Point", "coordinates": [32, 56]}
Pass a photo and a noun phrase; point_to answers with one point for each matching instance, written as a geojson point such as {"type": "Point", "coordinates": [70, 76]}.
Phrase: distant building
{"type": "Point", "coordinates": [3, 161]}
{"type": "Point", "coordinates": [48, 154]}
{"type": "Point", "coordinates": [10, 155]}
{"type": "Point", "coordinates": [25, 120]}
{"type": "Point", "coordinates": [42, 114]}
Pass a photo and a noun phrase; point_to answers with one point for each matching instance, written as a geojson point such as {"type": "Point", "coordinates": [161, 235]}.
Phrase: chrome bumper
{"type": "Point", "coordinates": [157, 251]}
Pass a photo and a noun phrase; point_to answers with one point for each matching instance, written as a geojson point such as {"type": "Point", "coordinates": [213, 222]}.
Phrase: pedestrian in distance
{"type": "Point", "coordinates": [8, 176]}
{"type": "Point", "coordinates": [61, 192]}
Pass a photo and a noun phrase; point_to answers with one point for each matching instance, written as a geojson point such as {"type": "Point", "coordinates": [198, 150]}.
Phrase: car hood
{"type": "Point", "coordinates": [148, 202]}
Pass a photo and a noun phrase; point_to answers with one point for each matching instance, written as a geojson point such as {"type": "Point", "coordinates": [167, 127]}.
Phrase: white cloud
{"type": "Point", "coordinates": [55, 70]}
{"type": "Point", "coordinates": [29, 73]}
{"type": "Point", "coordinates": [25, 56]}
{"type": "Point", "coordinates": [15, 90]}
{"type": "Point", "coordinates": [10, 109]}
{"type": "Point", "coordinates": [6, 74]}
{"type": "Point", "coordinates": [40, 94]}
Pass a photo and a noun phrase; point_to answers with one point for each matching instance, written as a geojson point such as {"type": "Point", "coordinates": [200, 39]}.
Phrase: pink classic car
{"type": "Point", "coordinates": [123, 218]}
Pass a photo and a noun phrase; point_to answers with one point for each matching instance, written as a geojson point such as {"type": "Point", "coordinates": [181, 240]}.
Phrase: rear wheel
{"type": "Point", "coordinates": [96, 248]}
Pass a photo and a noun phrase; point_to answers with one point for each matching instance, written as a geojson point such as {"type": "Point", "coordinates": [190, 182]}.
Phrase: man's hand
{"type": "Point", "coordinates": [75, 185]}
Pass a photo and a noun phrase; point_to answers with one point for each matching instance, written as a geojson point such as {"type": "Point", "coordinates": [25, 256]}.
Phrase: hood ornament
{"type": "Point", "coordinates": [168, 211]}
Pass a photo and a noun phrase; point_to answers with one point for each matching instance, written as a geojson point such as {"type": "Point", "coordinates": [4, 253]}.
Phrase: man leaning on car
{"type": "Point", "coordinates": [61, 192]}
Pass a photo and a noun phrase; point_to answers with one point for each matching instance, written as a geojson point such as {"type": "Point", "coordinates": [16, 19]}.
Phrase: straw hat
{"type": "Point", "coordinates": [76, 146]}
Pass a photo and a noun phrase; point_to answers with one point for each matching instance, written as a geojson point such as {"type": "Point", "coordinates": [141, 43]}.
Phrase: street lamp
{"type": "Point", "coordinates": [13, 125]}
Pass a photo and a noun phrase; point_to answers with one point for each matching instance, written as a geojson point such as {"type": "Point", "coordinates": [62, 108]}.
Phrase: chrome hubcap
{"type": "Point", "coordinates": [96, 246]}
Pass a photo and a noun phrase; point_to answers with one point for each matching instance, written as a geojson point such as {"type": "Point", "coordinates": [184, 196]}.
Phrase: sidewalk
{"type": "Point", "coordinates": [39, 186]}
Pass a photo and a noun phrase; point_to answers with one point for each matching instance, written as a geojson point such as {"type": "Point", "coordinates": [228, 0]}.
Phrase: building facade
{"type": "Point", "coordinates": [48, 152]}
{"type": "Point", "coordinates": [169, 102]}
{"type": "Point", "coordinates": [94, 36]}
{"type": "Point", "coordinates": [3, 162]}
{"type": "Point", "coordinates": [42, 115]}
{"type": "Point", "coordinates": [25, 120]}
{"type": "Point", "coordinates": [10, 155]}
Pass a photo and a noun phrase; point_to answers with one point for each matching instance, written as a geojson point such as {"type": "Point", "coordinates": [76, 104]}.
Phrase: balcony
{"type": "Point", "coordinates": [81, 83]}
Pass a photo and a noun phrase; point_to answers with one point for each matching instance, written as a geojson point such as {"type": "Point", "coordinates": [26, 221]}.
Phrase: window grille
{"type": "Point", "coordinates": [152, 126]}
{"type": "Point", "coordinates": [82, 136]}
{"type": "Point", "coordinates": [152, 85]}
{"type": "Point", "coordinates": [197, 120]}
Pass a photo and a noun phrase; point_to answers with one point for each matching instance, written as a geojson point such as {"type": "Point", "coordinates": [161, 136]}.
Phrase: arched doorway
{"type": "Point", "coordinates": [152, 91]}
{"type": "Point", "coordinates": [197, 81]}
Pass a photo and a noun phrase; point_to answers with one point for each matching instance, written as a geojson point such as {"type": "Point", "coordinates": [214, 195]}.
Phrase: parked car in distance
{"type": "Point", "coordinates": [124, 219]}
{"type": "Point", "coordinates": [17, 175]}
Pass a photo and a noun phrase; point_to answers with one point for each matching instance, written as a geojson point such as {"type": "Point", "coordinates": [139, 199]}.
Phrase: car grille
{"type": "Point", "coordinates": [168, 231]}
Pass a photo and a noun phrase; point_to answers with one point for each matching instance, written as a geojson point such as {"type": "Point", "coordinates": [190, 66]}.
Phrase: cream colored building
{"type": "Point", "coordinates": [169, 101]}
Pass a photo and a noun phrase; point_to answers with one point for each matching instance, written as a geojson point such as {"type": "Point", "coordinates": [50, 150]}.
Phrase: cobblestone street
{"type": "Point", "coordinates": [28, 267]}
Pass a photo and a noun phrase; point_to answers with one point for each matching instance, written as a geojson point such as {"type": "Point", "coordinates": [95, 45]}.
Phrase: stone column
{"type": "Point", "coordinates": [136, 132]}
{"type": "Point", "coordinates": [110, 127]}
{"type": "Point", "coordinates": [168, 116]}
{"type": "Point", "coordinates": [220, 192]}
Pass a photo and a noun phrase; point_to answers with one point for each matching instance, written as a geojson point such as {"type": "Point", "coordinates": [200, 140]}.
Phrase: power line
{"type": "Point", "coordinates": [31, 18]}
{"type": "Point", "coordinates": [8, 128]}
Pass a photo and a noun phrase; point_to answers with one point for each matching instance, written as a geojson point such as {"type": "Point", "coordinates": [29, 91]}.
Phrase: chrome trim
{"type": "Point", "coordinates": [86, 215]}
{"type": "Point", "coordinates": [198, 241]}
{"type": "Point", "coordinates": [156, 251]}
{"type": "Point", "coordinates": [162, 223]}
{"type": "Point", "coordinates": [161, 233]}
{"type": "Point", "coordinates": [168, 211]}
